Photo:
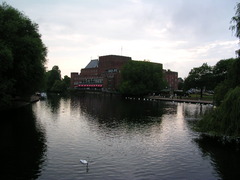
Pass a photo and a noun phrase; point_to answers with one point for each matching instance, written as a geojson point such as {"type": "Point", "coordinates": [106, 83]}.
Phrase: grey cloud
{"type": "Point", "coordinates": [153, 27]}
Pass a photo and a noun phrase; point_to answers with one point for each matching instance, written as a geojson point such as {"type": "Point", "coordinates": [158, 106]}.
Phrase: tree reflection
{"type": "Point", "coordinates": [224, 156]}
{"type": "Point", "coordinates": [194, 111]}
{"type": "Point", "coordinates": [22, 145]}
{"type": "Point", "coordinates": [54, 102]}
{"type": "Point", "coordinates": [112, 112]}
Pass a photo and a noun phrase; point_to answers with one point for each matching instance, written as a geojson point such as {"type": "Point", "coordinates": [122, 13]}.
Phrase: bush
{"type": "Point", "coordinates": [224, 120]}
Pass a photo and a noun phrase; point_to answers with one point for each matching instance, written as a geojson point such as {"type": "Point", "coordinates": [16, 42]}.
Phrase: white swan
{"type": "Point", "coordinates": [83, 161]}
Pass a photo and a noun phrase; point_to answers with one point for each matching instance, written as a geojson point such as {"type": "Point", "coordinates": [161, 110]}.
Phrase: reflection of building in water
{"type": "Point", "coordinates": [113, 113]}
{"type": "Point", "coordinates": [103, 74]}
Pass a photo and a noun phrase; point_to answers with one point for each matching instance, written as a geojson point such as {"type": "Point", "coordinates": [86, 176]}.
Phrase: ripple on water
{"type": "Point", "coordinates": [120, 142]}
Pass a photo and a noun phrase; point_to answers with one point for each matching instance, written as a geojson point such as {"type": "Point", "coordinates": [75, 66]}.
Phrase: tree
{"type": "Point", "coordinates": [61, 85]}
{"type": "Point", "coordinates": [200, 77]}
{"type": "Point", "coordinates": [6, 84]}
{"type": "Point", "coordinates": [54, 82]}
{"type": "Point", "coordinates": [52, 76]}
{"type": "Point", "coordinates": [236, 22]}
{"type": "Point", "coordinates": [141, 77]}
{"type": "Point", "coordinates": [221, 70]}
{"type": "Point", "coordinates": [236, 25]}
{"type": "Point", "coordinates": [66, 81]}
{"type": "Point", "coordinates": [23, 54]}
{"type": "Point", "coordinates": [220, 79]}
{"type": "Point", "coordinates": [226, 77]}
{"type": "Point", "coordinates": [220, 91]}
{"type": "Point", "coordinates": [58, 86]}
{"type": "Point", "coordinates": [180, 83]}
{"type": "Point", "coordinates": [225, 119]}
{"type": "Point", "coordinates": [234, 73]}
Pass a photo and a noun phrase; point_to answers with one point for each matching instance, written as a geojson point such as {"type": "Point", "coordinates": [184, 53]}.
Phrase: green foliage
{"type": "Point", "coordinates": [67, 81]}
{"type": "Point", "coordinates": [180, 84]}
{"type": "Point", "coordinates": [229, 79]}
{"type": "Point", "coordinates": [234, 73]}
{"type": "Point", "coordinates": [236, 22]}
{"type": "Point", "coordinates": [200, 77]}
{"type": "Point", "coordinates": [221, 70]}
{"type": "Point", "coordinates": [52, 76]}
{"type": "Point", "coordinates": [141, 77]}
{"type": "Point", "coordinates": [217, 77]}
{"type": "Point", "coordinates": [225, 119]}
{"type": "Point", "coordinates": [6, 84]}
{"type": "Point", "coordinates": [220, 91]}
{"type": "Point", "coordinates": [22, 55]}
{"type": "Point", "coordinates": [54, 82]}
{"type": "Point", "coordinates": [58, 86]}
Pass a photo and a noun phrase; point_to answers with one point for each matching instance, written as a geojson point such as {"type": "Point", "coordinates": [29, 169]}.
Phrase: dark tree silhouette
{"type": "Point", "coordinates": [22, 55]}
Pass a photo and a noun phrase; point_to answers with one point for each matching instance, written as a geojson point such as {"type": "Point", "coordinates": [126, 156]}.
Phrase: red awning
{"type": "Point", "coordinates": [89, 85]}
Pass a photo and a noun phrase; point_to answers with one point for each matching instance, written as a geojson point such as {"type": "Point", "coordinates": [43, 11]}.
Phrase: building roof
{"type": "Point", "coordinates": [92, 64]}
{"type": "Point", "coordinates": [111, 55]}
{"type": "Point", "coordinates": [115, 56]}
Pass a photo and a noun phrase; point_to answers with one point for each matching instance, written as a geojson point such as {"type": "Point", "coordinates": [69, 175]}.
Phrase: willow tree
{"type": "Point", "coordinates": [236, 22]}
{"type": "Point", "coordinates": [225, 119]}
{"type": "Point", "coordinates": [236, 25]}
{"type": "Point", "coordinates": [22, 55]}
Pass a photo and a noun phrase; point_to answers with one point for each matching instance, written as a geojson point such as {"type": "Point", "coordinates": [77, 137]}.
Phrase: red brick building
{"type": "Point", "coordinates": [172, 79]}
{"type": "Point", "coordinates": [102, 74]}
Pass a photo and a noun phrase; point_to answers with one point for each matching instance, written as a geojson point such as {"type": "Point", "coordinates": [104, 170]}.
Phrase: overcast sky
{"type": "Point", "coordinates": [180, 34]}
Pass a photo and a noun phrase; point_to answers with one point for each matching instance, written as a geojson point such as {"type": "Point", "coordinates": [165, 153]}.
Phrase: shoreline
{"type": "Point", "coordinates": [220, 139]}
{"type": "Point", "coordinates": [18, 103]}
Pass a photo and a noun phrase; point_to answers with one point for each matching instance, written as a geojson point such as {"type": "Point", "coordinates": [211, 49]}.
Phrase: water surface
{"type": "Point", "coordinates": [121, 139]}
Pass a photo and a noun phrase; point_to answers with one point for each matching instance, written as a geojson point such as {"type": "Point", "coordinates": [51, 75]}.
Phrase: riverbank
{"type": "Point", "coordinates": [20, 102]}
{"type": "Point", "coordinates": [220, 139]}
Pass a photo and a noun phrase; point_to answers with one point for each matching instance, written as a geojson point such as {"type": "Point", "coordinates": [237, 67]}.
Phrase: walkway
{"type": "Point", "coordinates": [180, 100]}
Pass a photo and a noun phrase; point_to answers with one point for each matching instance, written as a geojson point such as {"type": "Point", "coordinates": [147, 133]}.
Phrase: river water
{"type": "Point", "coordinates": [120, 139]}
